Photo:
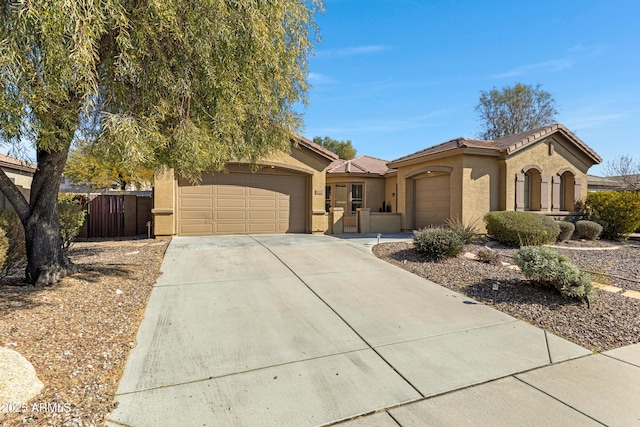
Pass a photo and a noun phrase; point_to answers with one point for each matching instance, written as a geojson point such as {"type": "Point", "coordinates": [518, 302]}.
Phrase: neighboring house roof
{"type": "Point", "coordinates": [601, 183]}
{"type": "Point", "coordinates": [9, 162]}
{"type": "Point", "coordinates": [359, 165]}
{"type": "Point", "coordinates": [507, 144]}
{"type": "Point", "coordinates": [625, 182]}
{"type": "Point", "coordinates": [316, 148]}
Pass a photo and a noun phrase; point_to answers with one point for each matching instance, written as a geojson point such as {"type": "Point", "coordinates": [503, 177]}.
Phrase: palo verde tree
{"type": "Point", "coordinates": [514, 109]}
{"type": "Point", "coordinates": [344, 149]}
{"type": "Point", "coordinates": [186, 85]}
{"type": "Point", "coordinates": [89, 165]}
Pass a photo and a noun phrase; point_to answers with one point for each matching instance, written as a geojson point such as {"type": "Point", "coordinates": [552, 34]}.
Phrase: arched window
{"type": "Point", "coordinates": [567, 191]}
{"type": "Point", "coordinates": [531, 189]}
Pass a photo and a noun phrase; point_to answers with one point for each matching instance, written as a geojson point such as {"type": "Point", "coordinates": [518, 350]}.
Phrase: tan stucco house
{"type": "Point", "coordinates": [286, 195]}
{"type": "Point", "coordinates": [542, 170]}
{"type": "Point", "coordinates": [310, 190]}
{"type": "Point", "coordinates": [20, 173]}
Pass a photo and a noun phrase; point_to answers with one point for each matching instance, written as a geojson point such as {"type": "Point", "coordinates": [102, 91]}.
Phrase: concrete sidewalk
{"type": "Point", "coordinates": [297, 330]}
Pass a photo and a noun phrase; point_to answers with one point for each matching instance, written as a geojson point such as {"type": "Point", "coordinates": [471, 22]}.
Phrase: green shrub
{"type": "Point", "coordinates": [589, 230]}
{"type": "Point", "coordinates": [620, 210]}
{"type": "Point", "coordinates": [72, 214]}
{"type": "Point", "coordinates": [437, 243]}
{"type": "Point", "coordinates": [488, 256]}
{"type": "Point", "coordinates": [521, 228]}
{"type": "Point", "coordinates": [566, 230]}
{"type": "Point", "coordinates": [13, 230]}
{"type": "Point", "coordinates": [467, 232]}
{"type": "Point", "coordinates": [549, 267]}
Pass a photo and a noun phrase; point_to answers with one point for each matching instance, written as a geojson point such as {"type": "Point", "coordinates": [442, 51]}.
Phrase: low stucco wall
{"type": "Point", "coordinates": [384, 222]}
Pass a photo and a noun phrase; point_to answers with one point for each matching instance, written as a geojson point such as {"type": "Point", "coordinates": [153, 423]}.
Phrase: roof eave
{"type": "Point", "coordinates": [394, 164]}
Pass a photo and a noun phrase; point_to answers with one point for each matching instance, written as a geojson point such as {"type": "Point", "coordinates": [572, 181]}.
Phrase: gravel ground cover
{"type": "Point", "coordinates": [79, 332]}
{"type": "Point", "coordinates": [612, 321]}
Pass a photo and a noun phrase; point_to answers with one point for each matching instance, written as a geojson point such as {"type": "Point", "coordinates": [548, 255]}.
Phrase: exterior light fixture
{"type": "Point", "coordinates": [495, 287]}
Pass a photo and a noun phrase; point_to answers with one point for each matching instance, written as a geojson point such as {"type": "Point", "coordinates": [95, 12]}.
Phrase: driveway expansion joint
{"type": "Point", "coordinates": [343, 320]}
{"type": "Point", "coordinates": [556, 399]}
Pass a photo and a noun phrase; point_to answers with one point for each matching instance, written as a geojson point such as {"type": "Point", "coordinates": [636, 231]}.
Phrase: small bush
{"type": "Point", "coordinates": [566, 230]}
{"type": "Point", "coordinates": [467, 232]}
{"type": "Point", "coordinates": [521, 228]}
{"type": "Point", "coordinates": [488, 256]}
{"type": "Point", "coordinates": [589, 230]}
{"type": "Point", "coordinates": [72, 214]}
{"type": "Point", "coordinates": [16, 255]}
{"type": "Point", "coordinates": [549, 267]}
{"type": "Point", "coordinates": [620, 210]}
{"type": "Point", "coordinates": [437, 243]}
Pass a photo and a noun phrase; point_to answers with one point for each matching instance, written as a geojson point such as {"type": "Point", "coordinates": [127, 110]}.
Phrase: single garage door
{"type": "Point", "coordinates": [431, 200]}
{"type": "Point", "coordinates": [242, 203]}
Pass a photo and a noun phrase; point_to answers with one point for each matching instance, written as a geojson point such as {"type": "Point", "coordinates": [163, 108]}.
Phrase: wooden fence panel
{"type": "Point", "coordinates": [106, 216]}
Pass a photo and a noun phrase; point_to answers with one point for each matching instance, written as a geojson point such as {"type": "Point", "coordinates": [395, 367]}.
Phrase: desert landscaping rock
{"type": "Point", "coordinates": [19, 382]}
{"type": "Point", "coordinates": [612, 321]}
{"type": "Point", "coordinates": [78, 333]}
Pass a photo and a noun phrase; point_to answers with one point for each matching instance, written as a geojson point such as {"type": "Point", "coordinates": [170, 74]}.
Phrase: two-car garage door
{"type": "Point", "coordinates": [242, 203]}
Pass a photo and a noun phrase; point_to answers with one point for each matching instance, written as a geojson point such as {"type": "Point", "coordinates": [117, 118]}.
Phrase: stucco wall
{"type": "Point", "coordinates": [164, 204]}
{"type": "Point", "coordinates": [22, 179]}
{"type": "Point", "coordinates": [550, 161]}
{"type": "Point", "coordinates": [481, 188]}
{"type": "Point", "coordinates": [408, 173]}
{"type": "Point", "coordinates": [390, 190]}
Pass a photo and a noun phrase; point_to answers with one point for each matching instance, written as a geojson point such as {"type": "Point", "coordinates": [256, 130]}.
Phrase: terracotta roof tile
{"type": "Point", "coordinates": [361, 164]}
{"type": "Point", "coordinates": [317, 148]}
{"type": "Point", "coordinates": [508, 144]}
{"type": "Point", "coordinates": [512, 143]}
{"type": "Point", "coordinates": [449, 145]}
{"type": "Point", "coordinates": [18, 164]}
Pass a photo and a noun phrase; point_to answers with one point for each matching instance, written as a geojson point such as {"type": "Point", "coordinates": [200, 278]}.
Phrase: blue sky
{"type": "Point", "coordinates": [397, 76]}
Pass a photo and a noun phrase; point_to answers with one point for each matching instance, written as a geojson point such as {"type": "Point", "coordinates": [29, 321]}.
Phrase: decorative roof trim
{"type": "Point", "coordinates": [548, 130]}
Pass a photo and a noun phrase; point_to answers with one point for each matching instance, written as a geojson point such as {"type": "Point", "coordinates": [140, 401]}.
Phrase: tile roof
{"type": "Point", "coordinates": [512, 143]}
{"type": "Point", "coordinates": [506, 144]}
{"type": "Point", "coordinates": [17, 164]}
{"type": "Point", "coordinates": [449, 145]}
{"type": "Point", "coordinates": [317, 148]}
{"type": "Point", "coordinates": [361, 164]}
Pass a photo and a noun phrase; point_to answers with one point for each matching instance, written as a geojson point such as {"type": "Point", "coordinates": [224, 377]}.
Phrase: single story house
{"type": "Point", "coordinates": [542, 170]}
{"type": "Point", "coordinates": [310, 190]}
{"type": "Point", "coordinates": [20, 173]}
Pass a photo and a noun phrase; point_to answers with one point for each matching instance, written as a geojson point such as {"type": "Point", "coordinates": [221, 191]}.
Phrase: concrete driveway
{"type": "Point", "coordinates": [302, 330]}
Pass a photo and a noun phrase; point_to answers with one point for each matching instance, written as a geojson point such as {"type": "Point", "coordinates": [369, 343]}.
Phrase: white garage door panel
{"type": "Point", "coordinates": [240, 203]}
{"type": "Point", "coordinates": [432, 200]}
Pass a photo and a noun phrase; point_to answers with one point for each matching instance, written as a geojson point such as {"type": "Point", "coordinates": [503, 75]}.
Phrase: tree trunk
{"type": "Point", "coordinates": [46, 259]}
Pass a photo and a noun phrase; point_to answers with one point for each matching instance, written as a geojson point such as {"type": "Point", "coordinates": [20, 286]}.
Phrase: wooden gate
{"type": "Point", "coordinates": [106, 216]}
